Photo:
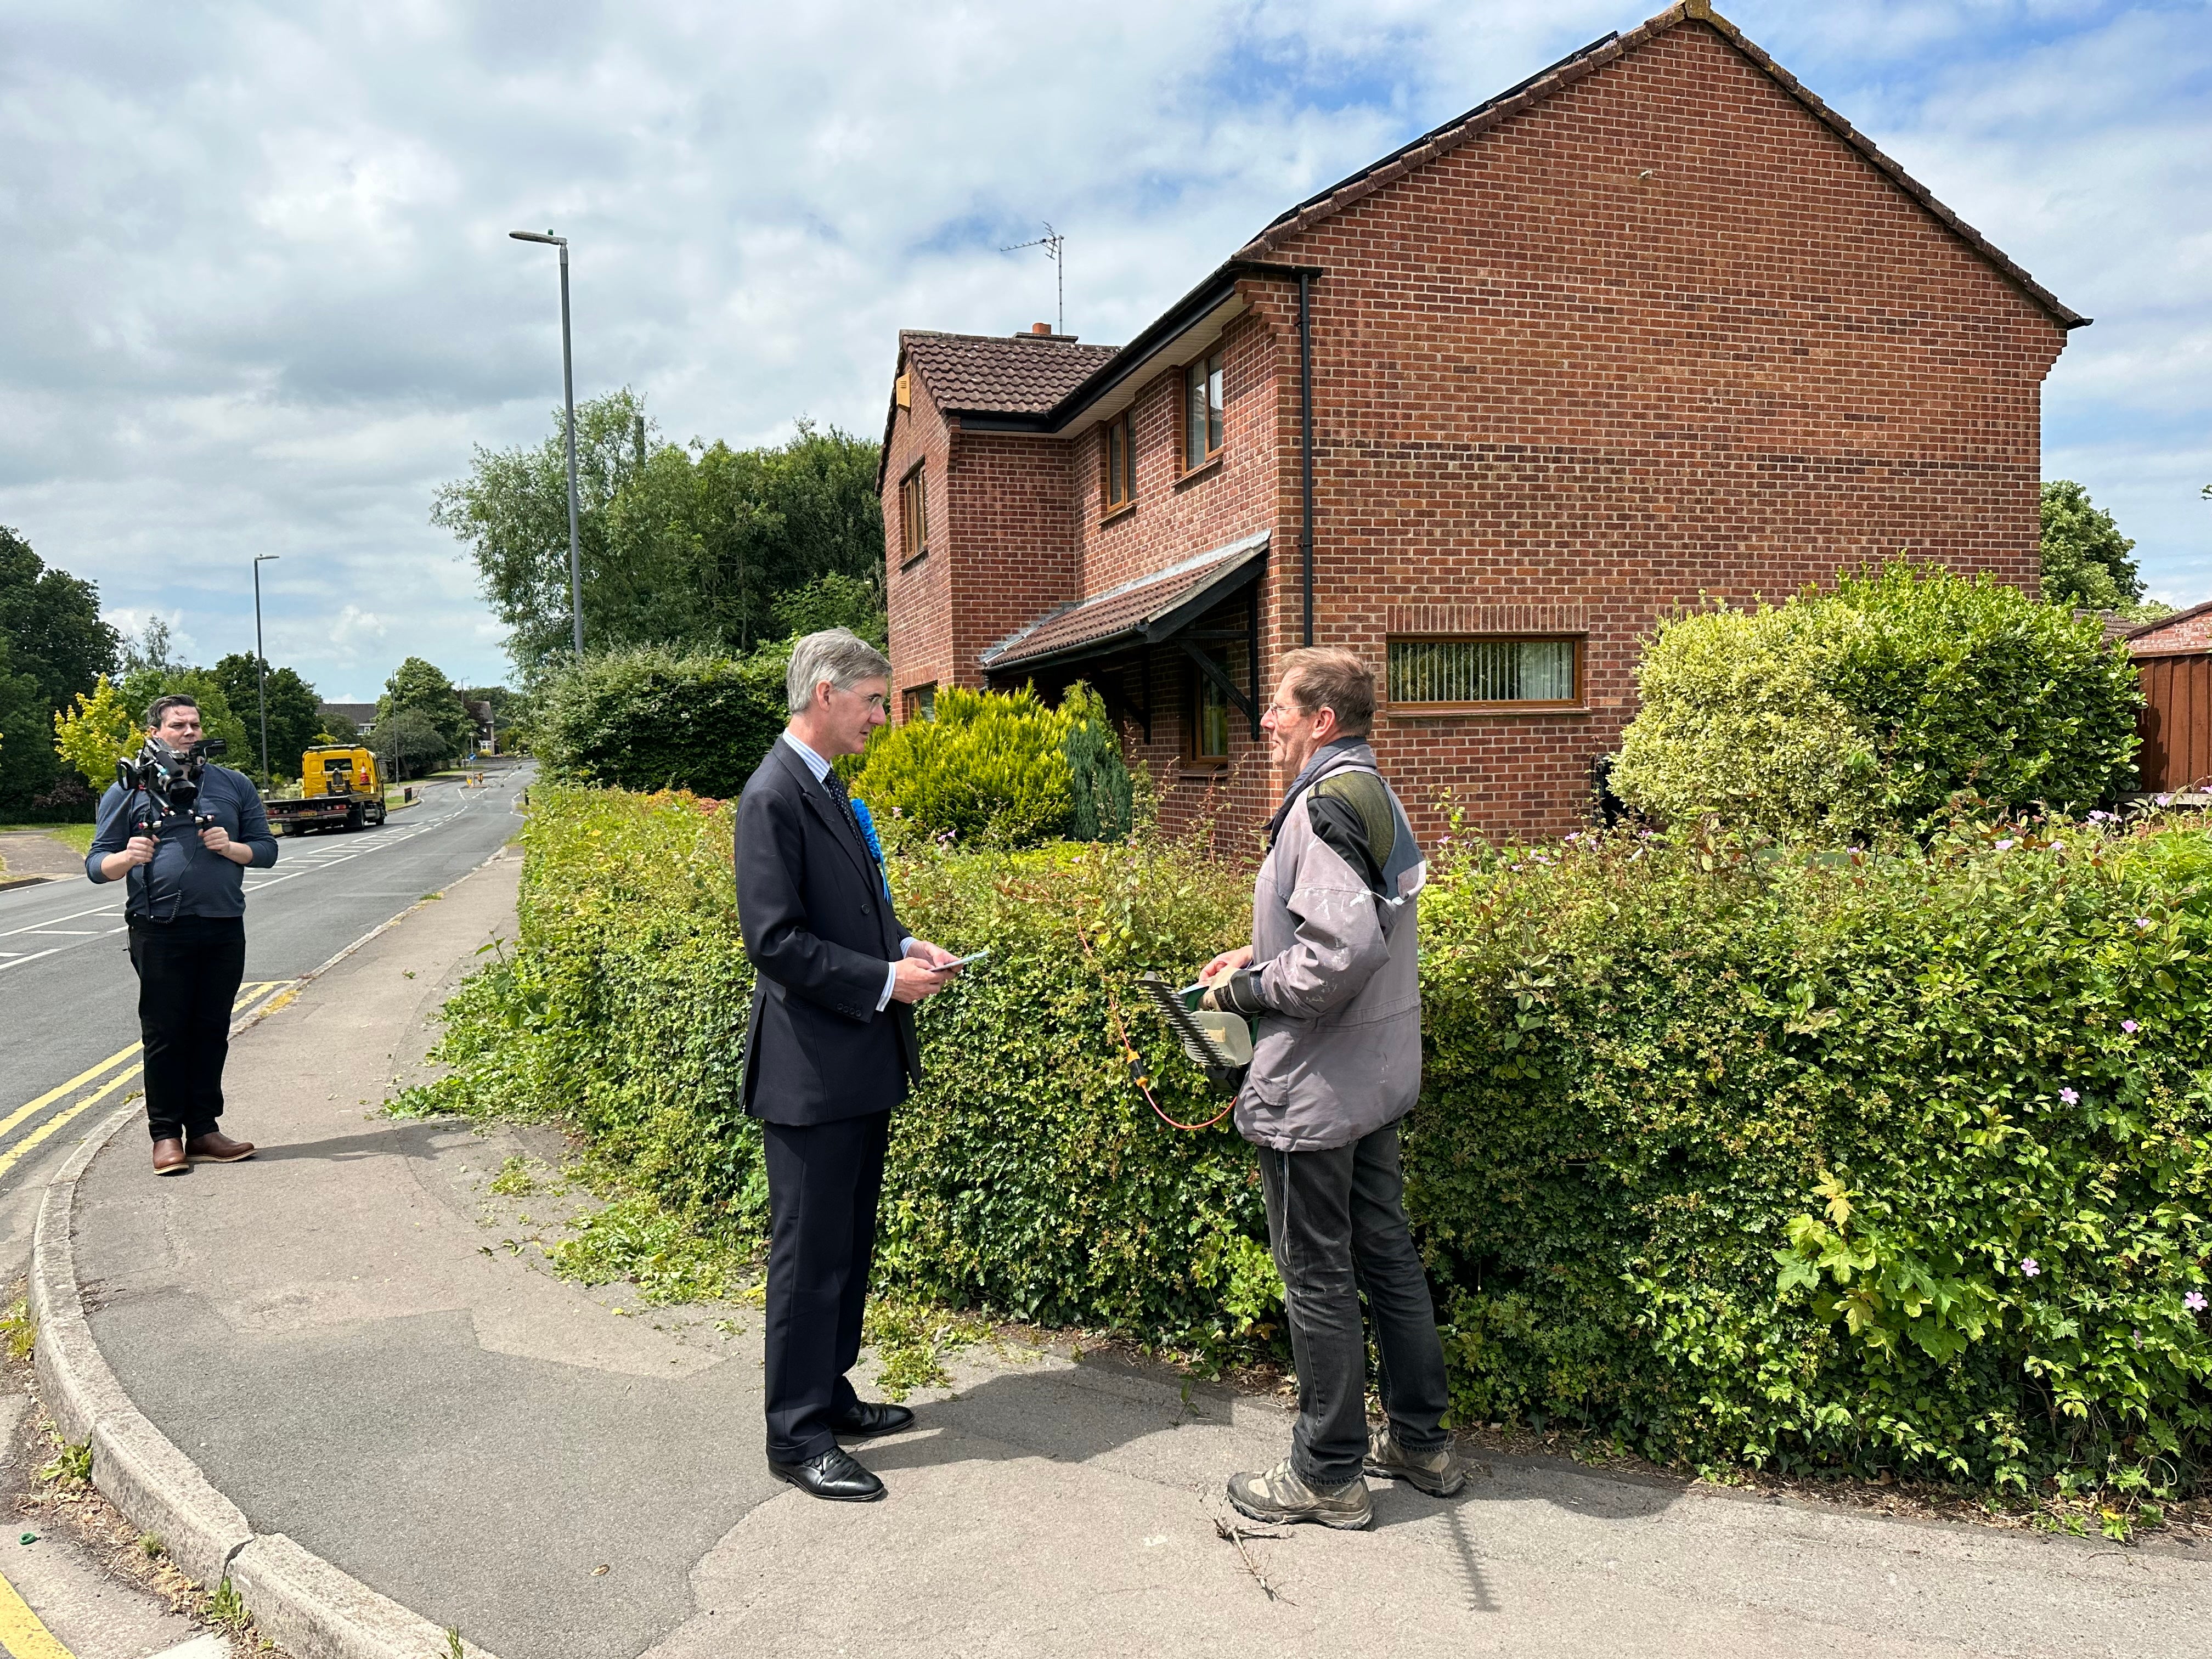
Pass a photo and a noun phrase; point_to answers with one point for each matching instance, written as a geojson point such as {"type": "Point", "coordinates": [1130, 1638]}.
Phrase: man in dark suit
{"type": "Point", "coordinates": [830, 1049]}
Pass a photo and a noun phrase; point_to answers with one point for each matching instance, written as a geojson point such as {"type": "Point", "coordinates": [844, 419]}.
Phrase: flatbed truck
{"type": "Point", "coordinates": [341, 787]}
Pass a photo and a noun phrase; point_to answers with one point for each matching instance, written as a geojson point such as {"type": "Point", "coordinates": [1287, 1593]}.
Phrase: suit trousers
{"type": "Point", "coordinates": [823, 1180]}
{"type": "Point", "coordinates": [1337, 1220]}
{"type": "Point", "coordinates": [188, 971]}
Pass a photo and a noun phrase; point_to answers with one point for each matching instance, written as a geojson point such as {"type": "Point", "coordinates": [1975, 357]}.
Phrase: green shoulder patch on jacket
{"type": "Point", "coordinates": [1350, 810]}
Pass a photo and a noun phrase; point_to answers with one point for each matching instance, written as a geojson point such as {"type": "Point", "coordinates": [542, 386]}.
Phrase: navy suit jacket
{"type": "Point", "coordinates": [819, 930]}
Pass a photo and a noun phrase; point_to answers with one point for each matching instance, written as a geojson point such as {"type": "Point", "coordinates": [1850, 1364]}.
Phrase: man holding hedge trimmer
{"type": "Point", "coordinates": [1331, 978]}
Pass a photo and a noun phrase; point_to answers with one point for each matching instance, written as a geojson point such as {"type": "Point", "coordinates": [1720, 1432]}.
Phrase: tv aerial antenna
{"type": "Point", "coordinates": [1056, 249]}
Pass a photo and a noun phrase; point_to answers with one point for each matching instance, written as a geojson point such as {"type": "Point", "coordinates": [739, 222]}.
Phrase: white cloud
{"type": "Point", "coordinates": [259, 296]}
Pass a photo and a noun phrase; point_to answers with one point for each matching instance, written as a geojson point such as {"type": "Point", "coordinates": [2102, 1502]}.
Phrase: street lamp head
{"type": "Point", "coordinates": [263, 558]}
{"type": "Point", "coordinates": [549, 238]}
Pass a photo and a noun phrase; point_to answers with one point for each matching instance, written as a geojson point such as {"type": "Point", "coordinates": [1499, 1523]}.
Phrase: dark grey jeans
{"type": "Point", "coordinates": [1337, 1222]}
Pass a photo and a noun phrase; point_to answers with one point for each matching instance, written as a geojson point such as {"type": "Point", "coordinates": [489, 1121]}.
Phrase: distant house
{"type": "Point", "coordinates": [362, 714]}
{"type": "Point", "coordinates": [1655, 327]}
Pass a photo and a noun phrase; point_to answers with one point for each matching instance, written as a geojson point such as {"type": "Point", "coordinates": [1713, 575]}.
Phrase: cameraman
{"type": "Point", "coordinates": [184, 899]}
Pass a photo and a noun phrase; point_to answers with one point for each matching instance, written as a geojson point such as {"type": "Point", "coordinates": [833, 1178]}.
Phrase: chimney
{"type": "Point", "coordinates": [1040, 328]}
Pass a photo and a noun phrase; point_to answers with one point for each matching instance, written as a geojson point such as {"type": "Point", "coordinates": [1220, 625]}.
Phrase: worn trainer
{"type": "Point", "coordinates": [1279, 1496]}
{"type": "Point", "coordinates": [1438, 1473]}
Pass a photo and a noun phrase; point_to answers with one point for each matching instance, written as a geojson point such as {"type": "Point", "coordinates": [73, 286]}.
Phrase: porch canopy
{"type": "Point", "coordinates": [1160, 608]}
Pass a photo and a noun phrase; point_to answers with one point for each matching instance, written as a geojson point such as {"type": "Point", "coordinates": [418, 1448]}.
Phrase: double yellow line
{"type": "Point", "coordinates": [103, 1080]}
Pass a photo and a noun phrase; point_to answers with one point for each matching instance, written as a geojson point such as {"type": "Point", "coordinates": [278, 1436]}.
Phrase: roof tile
{"type": "Point", "coordinates": [999, 373]}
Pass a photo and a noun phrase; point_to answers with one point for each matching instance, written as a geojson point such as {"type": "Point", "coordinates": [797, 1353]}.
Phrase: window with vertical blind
{"type": "Point", "coordinates": [1203, 426]}
{"type": "Point", "coordinates": [1524, 672]}
{"type": "Point", "coordinates": [1120, 465]}
{"type": "Point", "coordinates": [913, 517]}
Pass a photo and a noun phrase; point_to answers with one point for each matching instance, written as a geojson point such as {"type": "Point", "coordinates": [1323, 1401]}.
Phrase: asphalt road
{"type": "Point", "coordinates": [69, 1027]}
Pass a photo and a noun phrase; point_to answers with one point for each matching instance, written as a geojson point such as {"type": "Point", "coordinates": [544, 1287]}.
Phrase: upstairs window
{"type": "Point", "coordinates": [1203, 430]}
{"type": "Point", "coordinates": [1531, 673]}
{"type": "Point", "coordinates": [913, 517]}
{"type": "Point", "coordinates": [1121, 468]}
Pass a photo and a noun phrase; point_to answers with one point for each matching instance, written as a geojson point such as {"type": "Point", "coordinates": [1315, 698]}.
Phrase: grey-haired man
{"type": "Point", "coordinates": [1332, 976]}
{"type": "Point", "coordinates": [830, 1049]}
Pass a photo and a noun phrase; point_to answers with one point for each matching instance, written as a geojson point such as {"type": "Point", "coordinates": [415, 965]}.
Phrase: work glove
{"type": "Point", "coordinates": [1237, 994]}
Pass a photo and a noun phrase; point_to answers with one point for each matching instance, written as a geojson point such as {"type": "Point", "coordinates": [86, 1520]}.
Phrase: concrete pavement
{"type": "Point", "coordinates": [339, 1336]}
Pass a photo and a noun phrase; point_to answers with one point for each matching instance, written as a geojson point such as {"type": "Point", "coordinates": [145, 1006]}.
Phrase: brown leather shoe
{"type": "Point", "coordinates": [216, 1147]}
{"type": "Point", "coordinates": [169, 1157]}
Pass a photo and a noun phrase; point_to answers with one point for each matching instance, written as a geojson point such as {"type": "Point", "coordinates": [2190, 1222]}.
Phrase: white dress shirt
{"type": "Point", "coordinates": [820, 767]}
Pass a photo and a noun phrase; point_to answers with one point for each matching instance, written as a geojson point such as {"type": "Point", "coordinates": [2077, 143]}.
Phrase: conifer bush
{"type": "Point", "coordinates": [1002, 768]}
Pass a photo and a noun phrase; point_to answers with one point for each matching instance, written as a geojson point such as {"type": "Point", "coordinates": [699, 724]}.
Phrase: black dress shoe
{"type": "Point", "coordinates": [867, 1419]}
{"type": "Point", "coordinates": [837, 1475]}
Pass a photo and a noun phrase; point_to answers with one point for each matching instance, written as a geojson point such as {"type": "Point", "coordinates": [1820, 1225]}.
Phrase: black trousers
{"type": "Point", "coordinates": [1337, 1221]}
{"type": "Point", "coordinates": [188, 971]}
{"type": "Point", "coordinates": [823, 1180]}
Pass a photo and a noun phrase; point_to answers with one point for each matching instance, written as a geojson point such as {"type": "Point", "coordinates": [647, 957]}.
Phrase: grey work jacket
{"type": "Point", "coordinates": [1339, 1055]}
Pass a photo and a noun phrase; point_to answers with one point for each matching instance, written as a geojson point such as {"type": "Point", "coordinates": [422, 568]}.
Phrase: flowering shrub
{"type": "Point", "coordinates": [1900, 1163]}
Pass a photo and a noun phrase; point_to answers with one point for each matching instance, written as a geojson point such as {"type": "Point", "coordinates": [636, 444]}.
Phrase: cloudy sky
{"type": "Point", "coordinates": [256, 295]}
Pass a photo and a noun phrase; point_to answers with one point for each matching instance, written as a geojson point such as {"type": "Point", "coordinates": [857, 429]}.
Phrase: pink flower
{"type": "Point", "coordinates": [2194, 1302]}
{"type": "Point", "coordinates": [2057, 845]}
{"type": "Point", "coordinates": [2145, 923]}
{"type": "Point", "coordinates": [2004, 846]}
{"type": "Point", "coordinates": [2130, 1027]}
{"type": "Point", "coordinates": [2166, 800]}
{"type": "Point", "coordinates": [2069, 1096]}
{"type": "Point", "coordinates": [2029, 1266]}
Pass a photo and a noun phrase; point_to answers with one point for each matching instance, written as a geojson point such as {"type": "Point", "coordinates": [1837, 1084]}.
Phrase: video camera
{"type": "Point", "coordinates": [170, 781]}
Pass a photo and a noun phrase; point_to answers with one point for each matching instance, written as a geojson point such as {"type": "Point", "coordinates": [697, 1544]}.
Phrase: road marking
{"type": "Point", "coordinates": [71, 1086]}
{"type": "Point", "coordinates": [14, 1154]}
{"type": "Point", "coordinates": [18, 961]}
{"type": "Point", "coordinates": [21, 1630]}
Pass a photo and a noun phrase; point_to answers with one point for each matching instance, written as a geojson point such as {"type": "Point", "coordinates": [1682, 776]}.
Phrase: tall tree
{"type": "Point", "coordinates": [2086, 563]}
{"type": "Point", "coordinates": [53, 645]}
{"type": "Point", "coordinates": [684, 547]}
{"type": "Point", "coordinates": [295, 713]}
{"type": "Point", "coordinates": [420, 686]}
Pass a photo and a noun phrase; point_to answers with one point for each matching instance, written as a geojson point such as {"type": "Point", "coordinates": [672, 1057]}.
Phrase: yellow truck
{"type": "Point", "coordinates": [339, 784]}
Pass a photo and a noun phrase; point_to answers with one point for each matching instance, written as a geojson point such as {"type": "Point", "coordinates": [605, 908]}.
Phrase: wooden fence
{"type": "Point", "coordinates": [2177, 721]}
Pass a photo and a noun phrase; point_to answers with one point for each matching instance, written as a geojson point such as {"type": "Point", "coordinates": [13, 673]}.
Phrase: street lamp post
{"type": "Point", "coordinates": [569, 396]}
{"type": "Point", "coordinates": [261, 664]}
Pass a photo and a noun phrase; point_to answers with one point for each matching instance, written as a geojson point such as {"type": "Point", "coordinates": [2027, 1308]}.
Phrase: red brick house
{"type": "Point", "coordinates": [1656, 324]}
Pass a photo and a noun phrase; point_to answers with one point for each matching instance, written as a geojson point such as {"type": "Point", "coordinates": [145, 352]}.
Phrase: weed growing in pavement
{"type": "Point", "coordinates": [151, 1546]}
{"type": "Point", "coordinates": [70, 1468]}
{"type": "Point", "coordinates": [913, 1341]}
{"type": "Point", "coordinates": [634, 1238]}
{"type": "Point", "coordinates": [227, 1607]}
{"type": "Point", "coordinates": [454, 1649]}
{"type": "Point", "coordinates": [514, 1179]}
{"type": "Point", "coordinates": [19, 1331]}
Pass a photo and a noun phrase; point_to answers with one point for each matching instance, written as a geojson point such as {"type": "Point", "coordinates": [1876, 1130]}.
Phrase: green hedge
{"type": "Point", "coordinates": [652, 718]}
{"type": "Point", "coordinates": [1733, 1157]}
{"type": "Point", "coordinates": [1026, 1176]}
{"type": "Point", "coordinates": [1865, 709]}
{"type": "Point", "coordinates": [1745, 1158]}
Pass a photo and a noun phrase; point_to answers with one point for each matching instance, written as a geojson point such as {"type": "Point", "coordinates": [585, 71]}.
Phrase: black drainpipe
{"type": "Point", "coordinates": [1305, 443]}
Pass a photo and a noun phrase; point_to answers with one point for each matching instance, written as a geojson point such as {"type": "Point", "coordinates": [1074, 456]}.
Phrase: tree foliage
{"type": "Point", "coordinates": [652, 718]}
{"type": "Point", "coordinates": [422, 688]}
{"type": "Point", "coordinates": [682, 546]}
{"type": "Point", "coordinates": [1865, 709]}
{"type": "Point", "coordinates": [142, 685]}
{"type": "Point", "coordinates": [53, 647]}
{"type": "Point", "coordinates": [99, 730]}
{"type": "Point", "coordinates": [2087, 563]}
{"type": "Point", "coordinates": [295, 717]}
